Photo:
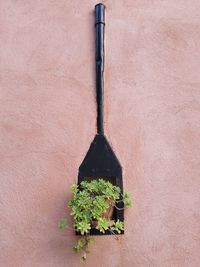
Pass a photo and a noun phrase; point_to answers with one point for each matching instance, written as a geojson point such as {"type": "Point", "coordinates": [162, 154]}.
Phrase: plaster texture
{"type": "Point", "coordinates": [48, 119]}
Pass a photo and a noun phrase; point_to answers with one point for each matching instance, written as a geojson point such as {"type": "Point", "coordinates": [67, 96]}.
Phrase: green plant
{"type": "Point", "coordinates": [91, 207]}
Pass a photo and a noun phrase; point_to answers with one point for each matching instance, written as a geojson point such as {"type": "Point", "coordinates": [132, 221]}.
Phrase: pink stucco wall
{"type": "Point", "coordinates": [152, 119]}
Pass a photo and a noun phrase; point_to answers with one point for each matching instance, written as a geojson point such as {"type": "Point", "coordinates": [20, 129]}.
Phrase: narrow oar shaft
{"type": "Point", "coordinates": [100, 24]}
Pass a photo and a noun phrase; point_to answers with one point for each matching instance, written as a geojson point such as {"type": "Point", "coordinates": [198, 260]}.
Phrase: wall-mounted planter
{"type": "Point", "coordinates": [98, 201]}
{"type": "Point", "coordinates": [100, 161]}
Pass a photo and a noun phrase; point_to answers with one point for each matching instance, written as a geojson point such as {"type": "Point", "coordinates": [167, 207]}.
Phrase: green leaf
{"type": "Point", "coordinates": [83, 227]}
{"type": "Point", "coordinates": [76, 212]}
{"type": "Point", "coordinates": [74, 189]}
{"type": "Point", "coordinates": [84, 257]}
{"type": "Point", "coordinates": [96, 212]}
{"type": "Point", "coordinates": [103, 224]}
{"type": "Point", "coordinates": [76, 249]}
{"type": "Point", "coordinates": [80, 245]}
{"type": "Point", "coordinates": [127, 200]}
{"type": "Point", "coordinates": [90, 240]}
{"type": "Point", "coordinates": [62, 224]}
{"type": "Point", "coordinates": [118, 226]}
{"type": "Point", "coordinates": [101, 203]}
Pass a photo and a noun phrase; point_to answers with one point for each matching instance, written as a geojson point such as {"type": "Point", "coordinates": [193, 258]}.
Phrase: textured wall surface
{"type": "Point", "coordinates": [48, 119]}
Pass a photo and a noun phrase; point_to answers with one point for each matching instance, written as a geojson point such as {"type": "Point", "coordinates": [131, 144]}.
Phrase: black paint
{"type": "Point", "coordinates": [100, 160]}
{"type": "Point", "coordinates": [99, 26]}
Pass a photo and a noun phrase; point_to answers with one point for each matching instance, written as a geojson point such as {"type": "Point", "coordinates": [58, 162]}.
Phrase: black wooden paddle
{"type": "Point", "coordinates": [100, 160]}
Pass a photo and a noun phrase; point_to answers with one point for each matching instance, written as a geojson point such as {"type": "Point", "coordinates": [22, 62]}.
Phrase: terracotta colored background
{"type": "Point", "coordinates": [152, 119]}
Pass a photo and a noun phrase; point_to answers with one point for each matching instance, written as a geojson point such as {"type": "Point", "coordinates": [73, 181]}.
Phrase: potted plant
{"type": "Point", "coordinates": [92, 206]}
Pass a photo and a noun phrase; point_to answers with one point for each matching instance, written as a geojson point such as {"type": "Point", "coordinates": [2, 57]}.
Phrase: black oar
{"type": "Point", "coordinates": [100, 160]}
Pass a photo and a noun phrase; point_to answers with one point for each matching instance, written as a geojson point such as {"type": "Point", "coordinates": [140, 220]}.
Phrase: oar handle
{"type": "Point", "coordinates": [99, 25]}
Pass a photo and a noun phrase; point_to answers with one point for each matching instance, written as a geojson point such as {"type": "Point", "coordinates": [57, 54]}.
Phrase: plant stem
{"type": "Point", "coordinates": [113, 233]}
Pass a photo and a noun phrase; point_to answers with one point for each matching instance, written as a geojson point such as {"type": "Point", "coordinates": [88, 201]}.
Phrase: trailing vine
{"type": "Point", "coordinates": [91, 207]}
